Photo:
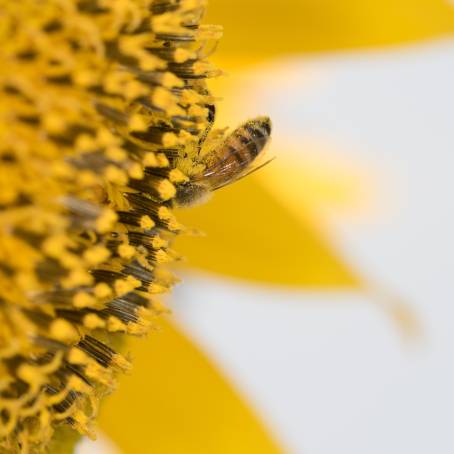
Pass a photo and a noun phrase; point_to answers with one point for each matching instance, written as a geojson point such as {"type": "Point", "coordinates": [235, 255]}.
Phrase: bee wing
{"type": "Point", "coordinates": [241, 175]}
{"type": "Point", "coordinates": [218, 169]}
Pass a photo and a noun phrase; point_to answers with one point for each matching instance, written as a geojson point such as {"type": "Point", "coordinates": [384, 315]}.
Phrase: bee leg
{"type": "Point", "coordinates": [210, 119]}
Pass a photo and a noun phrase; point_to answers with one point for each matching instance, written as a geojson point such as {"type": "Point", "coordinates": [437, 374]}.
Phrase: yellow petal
{"type": "Point", "coordinates": [252, 235]}
{"type": "Point", "coordinates": [176, 402]}
{"type": "Point", "coordinates": [256, 30]}
{"type": "Point", "coordinates": [313, 178]}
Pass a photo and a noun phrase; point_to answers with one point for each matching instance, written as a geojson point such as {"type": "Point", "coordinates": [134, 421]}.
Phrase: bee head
{"type": "Point", "coordinates": [190, 193]}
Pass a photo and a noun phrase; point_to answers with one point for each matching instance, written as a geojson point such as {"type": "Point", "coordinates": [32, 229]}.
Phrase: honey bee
{"type": "Point", "coordinates": [228, 163]}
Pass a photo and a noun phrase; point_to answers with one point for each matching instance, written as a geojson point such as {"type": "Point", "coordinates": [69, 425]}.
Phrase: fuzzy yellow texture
{"type": "Point", "coordinates": [99, 101]}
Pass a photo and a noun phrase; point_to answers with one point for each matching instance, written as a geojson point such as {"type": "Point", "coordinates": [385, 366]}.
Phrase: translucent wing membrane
{"type": "Point", "coordinates": [241, 176]}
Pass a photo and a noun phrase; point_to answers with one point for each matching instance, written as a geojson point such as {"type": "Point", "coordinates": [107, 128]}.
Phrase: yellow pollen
{"type": "Point", "coordinates": [146, 222]}
{"type": "Point", "coordinates": [64, 331]}
{"type": "Point", "coordinates": [166, 189]}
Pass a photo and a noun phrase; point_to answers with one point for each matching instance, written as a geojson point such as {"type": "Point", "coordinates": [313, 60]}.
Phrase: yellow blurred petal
{"type": "Point", "coordinates": [314, 175]}
{"type": "Point", "coordinates": [257, 29]}
{"type": "Point", "coordinates": [252, 235]}
{"type": "Point", "coordinates": [176, 402]}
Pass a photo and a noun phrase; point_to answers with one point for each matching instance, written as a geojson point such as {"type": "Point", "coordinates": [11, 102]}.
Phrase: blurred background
{"type": "Point", "coordinates": [316, 314]}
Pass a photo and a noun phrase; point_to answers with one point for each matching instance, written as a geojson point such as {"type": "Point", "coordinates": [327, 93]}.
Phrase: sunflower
{"type": "Point", "coordinates": [104, 105]}
{"type": "Point", "coordinates": [101, 103]}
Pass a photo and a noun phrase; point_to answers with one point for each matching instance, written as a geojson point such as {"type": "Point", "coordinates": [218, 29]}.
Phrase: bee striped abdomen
{"type": "Point", "coordinates": [229, 162]}
{"type": "Point", "coordinates": [237, 153]}
{"type": "Point", "coordinates": [250, 139]}
{"type": "Point", "coordinates": [234, 152]}
{"type": "Point", "coordinates": [257, 133]}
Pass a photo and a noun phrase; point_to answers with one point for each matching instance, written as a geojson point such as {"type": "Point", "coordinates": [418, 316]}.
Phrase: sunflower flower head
{"type": "Point", "coordinates": [100, 100]}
